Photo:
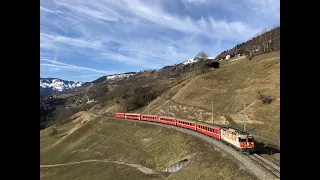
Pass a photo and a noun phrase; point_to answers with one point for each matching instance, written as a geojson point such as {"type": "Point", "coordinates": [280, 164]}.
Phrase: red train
{"type": "Point", "coordinates": [242, 141]}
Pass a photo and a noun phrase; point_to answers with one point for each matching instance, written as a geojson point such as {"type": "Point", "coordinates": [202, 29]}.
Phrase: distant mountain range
{"type": "Point", "coordinates": [49, 86]}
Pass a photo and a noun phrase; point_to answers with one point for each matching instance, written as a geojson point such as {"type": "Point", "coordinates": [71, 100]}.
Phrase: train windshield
{"type": "Point", "coordinates": [242, 140]}
{"type": "Point", "coordinates": [250, 139]}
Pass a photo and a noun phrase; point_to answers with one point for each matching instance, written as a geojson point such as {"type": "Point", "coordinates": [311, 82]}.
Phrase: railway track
{"type": "Point", "coordinates": [257, 167]}
{"type": "Point", "coordinates": [271, 167]}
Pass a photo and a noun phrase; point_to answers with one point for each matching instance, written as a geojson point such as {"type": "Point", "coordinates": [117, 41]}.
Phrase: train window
{"type": "Point", "coordinates": [242, 140]}
{"type": "Point", "coordinates": [250, 139]}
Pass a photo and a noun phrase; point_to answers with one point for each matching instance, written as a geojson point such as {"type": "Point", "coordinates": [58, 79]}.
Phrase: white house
{"type": "Point", "coordinates": [227, 57]}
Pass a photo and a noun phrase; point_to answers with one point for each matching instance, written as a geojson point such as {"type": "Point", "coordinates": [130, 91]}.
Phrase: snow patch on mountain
{"type": "Point", "coordinates": [58, 84]}
{"type": "Point", "coordinates": [118, 76]}
{"type": "Point", "coordinates": [194, 60]}
{"type": "Point", "coordinates": [190, 61]}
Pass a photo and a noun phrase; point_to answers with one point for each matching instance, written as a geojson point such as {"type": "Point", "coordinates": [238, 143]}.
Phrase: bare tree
{"type": "Point", "coordinates": [265, 99]}
{"type": "Point", "coordinates": [249, 53]}
{"type": "Point", "coordinates": [202, 54]}
{"type": "Point", "coordinates": [54, 131]}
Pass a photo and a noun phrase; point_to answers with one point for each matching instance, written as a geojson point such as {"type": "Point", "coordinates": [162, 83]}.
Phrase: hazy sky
{"type": "Point", "coordinates": [82, 40]}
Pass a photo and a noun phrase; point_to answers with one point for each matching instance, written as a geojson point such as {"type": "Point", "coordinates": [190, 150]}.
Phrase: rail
{"type": "Point", "coordinates": [249, 163]}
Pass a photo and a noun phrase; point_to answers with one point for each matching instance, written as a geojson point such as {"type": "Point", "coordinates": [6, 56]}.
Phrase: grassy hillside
{"type": "Point", "coordinates": [229, 87]}
{"type": "Point", "coordinates": [157, 148]}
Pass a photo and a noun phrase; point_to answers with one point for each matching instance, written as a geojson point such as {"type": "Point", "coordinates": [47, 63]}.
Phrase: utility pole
{"type": "Point", "coordinates": [188, 111]}
{"type": "Point", "coordinates": [212, 112]}
{"type": "Point", "coordinates": [168, 107]}
{"type": "Point", "coordinates": [244, 116]}
{"type": "Point", "coordinates": [148, 108]}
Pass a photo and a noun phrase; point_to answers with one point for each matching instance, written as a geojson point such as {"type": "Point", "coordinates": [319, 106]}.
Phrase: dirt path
{"type": "Point", "coordinates": [269, 59]}
{"type": "Point", "coordinates": [143, 169]}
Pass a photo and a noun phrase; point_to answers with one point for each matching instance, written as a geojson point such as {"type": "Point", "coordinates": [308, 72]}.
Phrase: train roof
{"type": "Point", "coordinates": [148, 115]}
{"type": "Point", "coordinates": [132, 113]}
{"type": "Point", "coordinates": [200, 122]}
{"type": "Point", "coordinates": [167, 117]}
{"type": "Point", "coordinates": [237, 131]}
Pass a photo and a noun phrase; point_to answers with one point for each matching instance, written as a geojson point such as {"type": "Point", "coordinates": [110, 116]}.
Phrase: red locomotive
{"type": "Point", "coordinates": [242, 141]}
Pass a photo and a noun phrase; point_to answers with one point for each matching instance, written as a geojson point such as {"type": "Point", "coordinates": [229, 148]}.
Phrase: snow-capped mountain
{"type": "Point", "coordinates": [190, 61]}
{"type": "Point", "coordinates": [53, 85]}
{"type": "Point", "coordinates": [193, 60]}
{"type": "Point", "coordinates": [119, 76]}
